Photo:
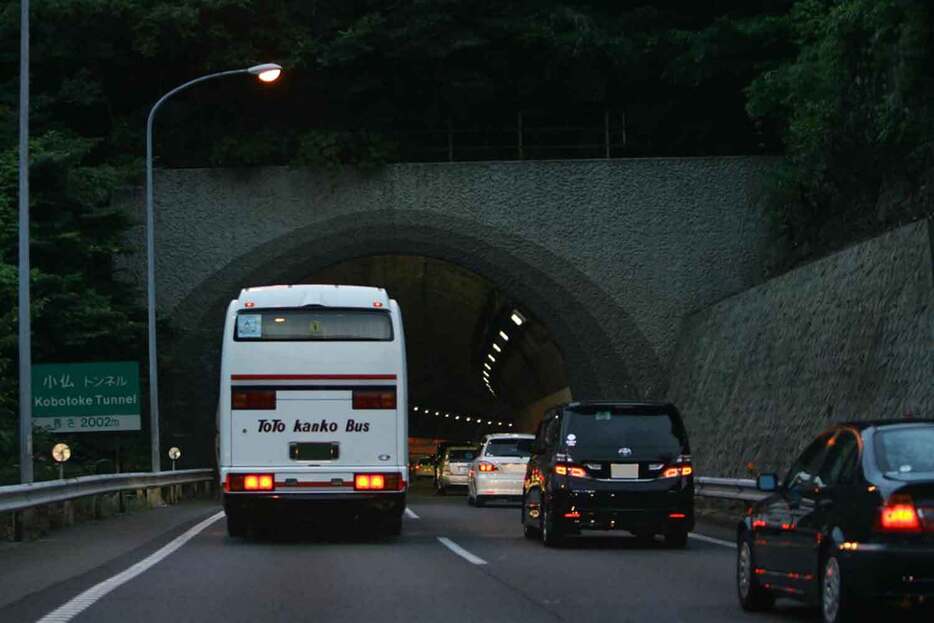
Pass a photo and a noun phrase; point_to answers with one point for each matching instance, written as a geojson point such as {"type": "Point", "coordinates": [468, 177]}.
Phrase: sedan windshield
{"type": "Point", "coordinates": [509, 447]}
{"type": "Point", "coordinates": [906, 452]}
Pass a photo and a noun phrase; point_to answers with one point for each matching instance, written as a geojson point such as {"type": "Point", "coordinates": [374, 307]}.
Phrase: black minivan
{"type": "Point", "coordinates": [610, 466]}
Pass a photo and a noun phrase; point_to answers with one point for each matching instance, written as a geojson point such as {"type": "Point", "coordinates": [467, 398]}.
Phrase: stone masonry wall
{"type": "Point", "coordinates": [848, 337]}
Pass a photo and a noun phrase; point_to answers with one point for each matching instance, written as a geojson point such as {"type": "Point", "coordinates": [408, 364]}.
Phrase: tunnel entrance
{"type": "Point", "coordinates": [479, 360]}
{"type": "Point", "coordinates": [580, 340]}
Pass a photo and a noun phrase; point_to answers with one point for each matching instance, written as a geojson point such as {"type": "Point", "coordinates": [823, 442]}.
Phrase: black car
{"type": "Point", "coordinates": [852, 522]}
{"type": "Point", "coordinates": [609, 466]}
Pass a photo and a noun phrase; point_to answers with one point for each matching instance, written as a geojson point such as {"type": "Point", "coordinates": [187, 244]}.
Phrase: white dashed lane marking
{"type": "Point", "coordinates": [87, 599]}
{"type": "Point", "coordinates": [710, 539]}
{"type": "Point", "coordinates": [460, 551]}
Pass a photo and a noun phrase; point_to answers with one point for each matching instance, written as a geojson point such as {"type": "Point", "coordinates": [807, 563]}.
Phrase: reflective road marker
{"type": "Point", "coordinates": [410, 513]}
{"type": "Point", "coordinates": [87, 599]}
{"type": "Point", "coordinates": [460, 551]}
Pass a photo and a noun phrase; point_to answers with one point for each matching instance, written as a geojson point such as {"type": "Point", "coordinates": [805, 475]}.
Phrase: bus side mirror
{"type": "Point", "coordinates": [767, 482]}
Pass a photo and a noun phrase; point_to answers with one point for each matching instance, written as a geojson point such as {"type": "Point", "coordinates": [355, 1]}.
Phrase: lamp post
{"type": "Point", "coordinates": [25, 328]}
{"type": "Point", "coordinates": [267, 72]}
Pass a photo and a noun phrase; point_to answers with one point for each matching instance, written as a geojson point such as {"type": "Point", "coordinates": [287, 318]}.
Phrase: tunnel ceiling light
{"type": "Point", "coordinates": [457, 417]}
{"type": "Point", "coordinates": [510, 426]}
{"type": "Point", "coordinates": [517, 318]}
{"type": "Point", "coordinates": [415, 408]}
{"type": "Point", "coordinates": [437, 413]}
{"type": "Point", "coordinates": [499, 423]}
{"type": "Point", "coordinates": [490, 422]}
{"type": "Point", "coordinates": [487, 366]}
{"type": "Point", "coordinates": [467, 418]}
{"type": "Point", "coordinates": [497, 348]}
{"type": "Point", "coordinates": [491, 357]}
{"type": "Point", "coordinates": [503, 335]}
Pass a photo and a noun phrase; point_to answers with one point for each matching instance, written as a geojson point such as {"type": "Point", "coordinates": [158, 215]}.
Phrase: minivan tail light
{"type": "Point", "coordinates": [374, 399]}
{"type": "Point", "coordinates": [254, 399]}
{"type": "Point", "coordinates": [899, 515]}
{"type": "Point", "coordinates": [567, 469]}
{"type": "Point", "coordinates": [675, 471]}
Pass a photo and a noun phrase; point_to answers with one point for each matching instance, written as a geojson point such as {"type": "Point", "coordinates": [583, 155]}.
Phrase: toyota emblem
{"type": "Point", "coordinates": [625, 451]}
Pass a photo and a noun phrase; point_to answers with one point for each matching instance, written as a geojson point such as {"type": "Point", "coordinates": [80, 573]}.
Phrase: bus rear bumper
{"type": "Point", "coordinates": [316, 506]}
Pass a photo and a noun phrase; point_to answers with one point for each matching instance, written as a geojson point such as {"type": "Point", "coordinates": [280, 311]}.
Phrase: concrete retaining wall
{"type": "Point", "coordinates": [847, 337]}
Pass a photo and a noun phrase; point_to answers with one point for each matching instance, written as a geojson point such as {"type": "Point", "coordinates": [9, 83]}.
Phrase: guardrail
{"type": "Point", "coordinates": [742, 489]}
{"type": "Point", "coordinates": [21, 497]}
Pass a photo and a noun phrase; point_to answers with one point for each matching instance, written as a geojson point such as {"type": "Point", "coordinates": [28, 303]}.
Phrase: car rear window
{"type": "Point", "coordinates": [603, 431]}
{"type": "Point", "coordinates": [300, 325]}
{"type": "Point", "coordinates": [509, 447]}
{"type": "Point", "coordinates": [905, 451]}
{"type": "Point", "coordinates": [460, 456]}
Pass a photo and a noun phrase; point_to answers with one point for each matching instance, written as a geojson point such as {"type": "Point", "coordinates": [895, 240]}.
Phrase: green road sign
{"type": "Point", "coordinates": [83, 397]}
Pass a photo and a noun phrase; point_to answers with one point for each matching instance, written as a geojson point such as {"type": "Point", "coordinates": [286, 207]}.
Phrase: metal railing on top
{"type": "Point", "coordinates": [20, 497]}
{"type": "Point", "coordinates": [741, 489]}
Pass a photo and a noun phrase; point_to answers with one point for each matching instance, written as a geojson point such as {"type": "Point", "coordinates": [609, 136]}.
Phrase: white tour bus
{"type": "Point", "coordinates": [312, 418]}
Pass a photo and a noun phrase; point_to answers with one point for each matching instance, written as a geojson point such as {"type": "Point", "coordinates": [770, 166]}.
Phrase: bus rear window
{"type": "Point", "coordinates": [321, 324]}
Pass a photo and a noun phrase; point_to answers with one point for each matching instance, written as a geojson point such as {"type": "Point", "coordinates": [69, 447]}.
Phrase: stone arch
{"type": "Point", "coordinates": [605, 354]}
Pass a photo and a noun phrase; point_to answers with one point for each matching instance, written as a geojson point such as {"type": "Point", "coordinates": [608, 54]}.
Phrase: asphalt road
{"type": "Point", "coordinates": [453, 563]}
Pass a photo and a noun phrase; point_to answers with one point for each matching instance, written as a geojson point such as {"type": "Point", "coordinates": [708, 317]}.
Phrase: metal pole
{"type": "Point", "coordinates": [151, 268]}
{"type": "Point", "coordinates": [25, 327]}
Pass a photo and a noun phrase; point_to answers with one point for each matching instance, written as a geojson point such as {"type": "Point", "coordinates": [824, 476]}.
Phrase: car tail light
{"type": "Point", "coordinates": [899, 515]}
{"type": "Point", "coordinates": [677, 516]}
{"type": "Point", "coordinates": [573, 515]}
{"type": "Point", "coordinates": [249, 482]}
{"type": "Point", "coordinates": [253, 399]}
{"type": "Point", "coordinates": [487, 467]}
{"type": "Point", "coordinates": [374, 399]}
{"type": "Point", "coordinates": [378, 482]}
{"type": "Point", "coordinates": [567, 469]}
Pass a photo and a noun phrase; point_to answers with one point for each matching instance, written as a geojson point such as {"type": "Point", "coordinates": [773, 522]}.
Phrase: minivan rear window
{"type": "Point", "coordinates": [906, 451]}
{"type": "Point", "coordinates": [299, 325]}
{"type": "Point", "coordinates": [601, 432]}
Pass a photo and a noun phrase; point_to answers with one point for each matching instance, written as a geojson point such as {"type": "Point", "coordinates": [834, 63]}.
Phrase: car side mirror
{"type": "Point", "coordinates": [767, 482]}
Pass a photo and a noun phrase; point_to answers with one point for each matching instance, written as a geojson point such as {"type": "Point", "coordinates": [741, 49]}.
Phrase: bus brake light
{"type": "Point", "coordinates": [253, 399]}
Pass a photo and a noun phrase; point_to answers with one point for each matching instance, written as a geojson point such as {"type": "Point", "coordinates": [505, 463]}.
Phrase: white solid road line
{"type": "Point", "coordinates": [710, 539]}
{"type": "Point", "coordinates": [410, 513]}
{"type": "Point", "coordinates": [87, 599]}
{"type": "Point", "coordinates": [460, 551]}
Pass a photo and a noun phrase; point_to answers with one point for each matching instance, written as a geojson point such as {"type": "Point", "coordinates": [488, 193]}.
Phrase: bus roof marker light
{"type": "Point", "coordinates": [503, 335]}
{"type": "Point", "coordinates": [517, 318]}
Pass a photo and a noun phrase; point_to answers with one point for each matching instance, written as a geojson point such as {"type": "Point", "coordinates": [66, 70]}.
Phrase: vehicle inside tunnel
{"type": "Point", "coordinates": [479, 361]}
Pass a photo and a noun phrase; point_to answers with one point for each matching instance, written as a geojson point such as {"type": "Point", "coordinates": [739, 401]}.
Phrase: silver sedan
{"type": "Point", "coordinates": [499, 469]}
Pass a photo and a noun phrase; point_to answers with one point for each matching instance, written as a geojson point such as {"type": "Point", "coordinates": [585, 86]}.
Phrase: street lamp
{"type": "Point", "coordinates": [266, 72]}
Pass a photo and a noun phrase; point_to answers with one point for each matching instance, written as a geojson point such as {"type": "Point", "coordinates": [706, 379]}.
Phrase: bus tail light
{"type": "Point", "coordinates": [378, 482]}
{"type": "Point", "coordinates": [254, 399]}
{"type": "Point", "coordinates": [374, 399]}
{"type": "Point", "coordinates": [249, 482]}
{"type": "Point", "coordinates": [899, 515]}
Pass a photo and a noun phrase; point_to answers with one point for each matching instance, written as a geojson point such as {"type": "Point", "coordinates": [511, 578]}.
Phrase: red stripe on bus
{"type": "Point", "coordinates": [312, 377]}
